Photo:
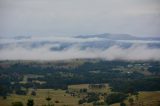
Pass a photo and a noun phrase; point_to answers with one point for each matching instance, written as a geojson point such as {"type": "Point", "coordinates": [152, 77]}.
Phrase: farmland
{"type": "Point", "coordinates": [80, 82]}
{"type": "Point", "coordinates": [65, 99]}
{"type": "Point", "coordinates": [59, 97]}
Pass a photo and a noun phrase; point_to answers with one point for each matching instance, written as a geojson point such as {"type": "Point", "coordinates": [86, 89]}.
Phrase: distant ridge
{"type": "Point", "coordinates": [117, 37]}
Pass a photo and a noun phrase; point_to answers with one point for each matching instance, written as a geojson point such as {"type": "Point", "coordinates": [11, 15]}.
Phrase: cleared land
{"type": "Point", "coordinates": [40, 98]}
{"type": "Point", "coordinates": [65, 99]}
{"type": "Point", "coordinates": [145, 98]}
{"type": "Point", "coordinates": [61, 96]}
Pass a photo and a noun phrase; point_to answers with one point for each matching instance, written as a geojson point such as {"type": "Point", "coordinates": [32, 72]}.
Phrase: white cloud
{"type": "Point", "coordinates": [136, 52]}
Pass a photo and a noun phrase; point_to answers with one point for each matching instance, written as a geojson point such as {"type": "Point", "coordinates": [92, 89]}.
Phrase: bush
{"type": "Point", "coordinates": [122, 104]}
{"type": "Point", "coordinates": [98, 103]}
{"type": "Point", "coordinates": [92, 97]}
{"type": "Point", "coordinates": [30, 102]}
{"type": "Point", "coordinates": [81, 101]}
{"type": "Point", "coordinates": [56, 101]}
{"type": "Point", "coordinates": [115, 97]}
{"type": "Point", "coordinates": [33, 93]}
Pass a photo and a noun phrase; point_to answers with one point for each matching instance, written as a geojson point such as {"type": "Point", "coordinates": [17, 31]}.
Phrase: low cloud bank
{"type": "Point", "coordinates": [135, 52]}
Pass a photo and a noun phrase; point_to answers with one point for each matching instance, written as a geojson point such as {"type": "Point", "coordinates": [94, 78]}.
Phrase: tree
{"type": "Point", "coordinates": [122, 104]}
{"type": "Point", "coordinates": [92, 97]}
{"type": "Point", "coordinates": [81, 101]}
{"type": "Point", "coordinates": [48, 100]}
{"type": "Point", "coordinates": [30, 102]}
{"type": "Point", "coordinates": [137, 96]}
{"type": "Point", "coordinates": [158, 103]}
{"type": "Point", "coordinates": [4, 97]}
{"type": "Point", "coordinates": [130, 100]}
{"type": "Point", "coordinates": [115, 97]}
{"type": "Point", "coordinates": [33, 93]}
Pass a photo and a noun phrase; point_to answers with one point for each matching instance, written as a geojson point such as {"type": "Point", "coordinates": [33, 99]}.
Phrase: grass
{"type": "Point", "coordinates": [40, 98]}
{"type": "Point", "coordinates": [56, 95]}
{"type": "Point", "coordinates": [79, 86]}
{"type": "Point", "coordinates": [148, 98]}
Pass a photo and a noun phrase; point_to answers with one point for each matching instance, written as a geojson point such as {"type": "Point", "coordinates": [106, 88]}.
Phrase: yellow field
{"type": "Point", "coordinates": [80, 86]}
{"type": "Point", "coordinates": [39, 99]}
{"type": "Point", "coordinates": [56, 95]}
{"type": "Point", "coordinates": [145, 98]}
{"type": "Point", "coordinates": [148, 98]}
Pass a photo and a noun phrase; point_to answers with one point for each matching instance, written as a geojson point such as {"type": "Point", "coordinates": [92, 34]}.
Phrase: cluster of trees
{"type": "Point", "coordinates": [95, 86]}
{"type": "Point", "coordinates": [83, 90]}
{"type": "Point", "coordinates": [91, 97]}
{"type": "Point", "coordinates": [111, 98]}
{"type": "Point", "coordinates": [155, 68]}
{"type": "Point", "coordinates": [115, 97]}
{"type": "Point", "coordinates": [132, 86]}
{"type": "Point", "coordinates": [5, 86]}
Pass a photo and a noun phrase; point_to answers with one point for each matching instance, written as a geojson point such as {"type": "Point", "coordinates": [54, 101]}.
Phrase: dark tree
{"type": "Point", "coordinates": [33, 93]}
{"type": "Point", "coordinates": [131, 101]}
{"type": "Point", "coordinates": [122, 104]}
{"type": "Point", "coordinates": [30, 102]}
{"type": "Point", "coordinates": [115, 98]}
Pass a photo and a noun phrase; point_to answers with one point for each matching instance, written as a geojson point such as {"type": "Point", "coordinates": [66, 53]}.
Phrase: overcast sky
{"type": "Point", "coordinates": [76, 17]}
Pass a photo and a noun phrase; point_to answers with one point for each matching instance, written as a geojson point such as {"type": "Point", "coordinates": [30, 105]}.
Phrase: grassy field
{"type": "Point", "coordinates": [64, 99]}
{"type": "Point", "coordinates": [56, 95]}
{"type": "Point", "coordinates": [149, 98]}
{"type": "Point", "coordinates": [145, 98]}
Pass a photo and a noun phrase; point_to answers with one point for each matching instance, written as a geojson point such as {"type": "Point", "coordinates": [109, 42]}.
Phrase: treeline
{"type": "Point", "coordinates": [131, 86]}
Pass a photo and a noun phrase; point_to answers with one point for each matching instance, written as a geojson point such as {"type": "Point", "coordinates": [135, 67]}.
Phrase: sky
{"type": "Point", "coordinates": [51, 25]}
{"type": "Point", "coordinates": [79, 17]}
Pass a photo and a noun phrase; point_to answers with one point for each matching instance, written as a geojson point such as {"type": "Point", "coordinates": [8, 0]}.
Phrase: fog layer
{"type": "Point", "coordinates": [72, 48]}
